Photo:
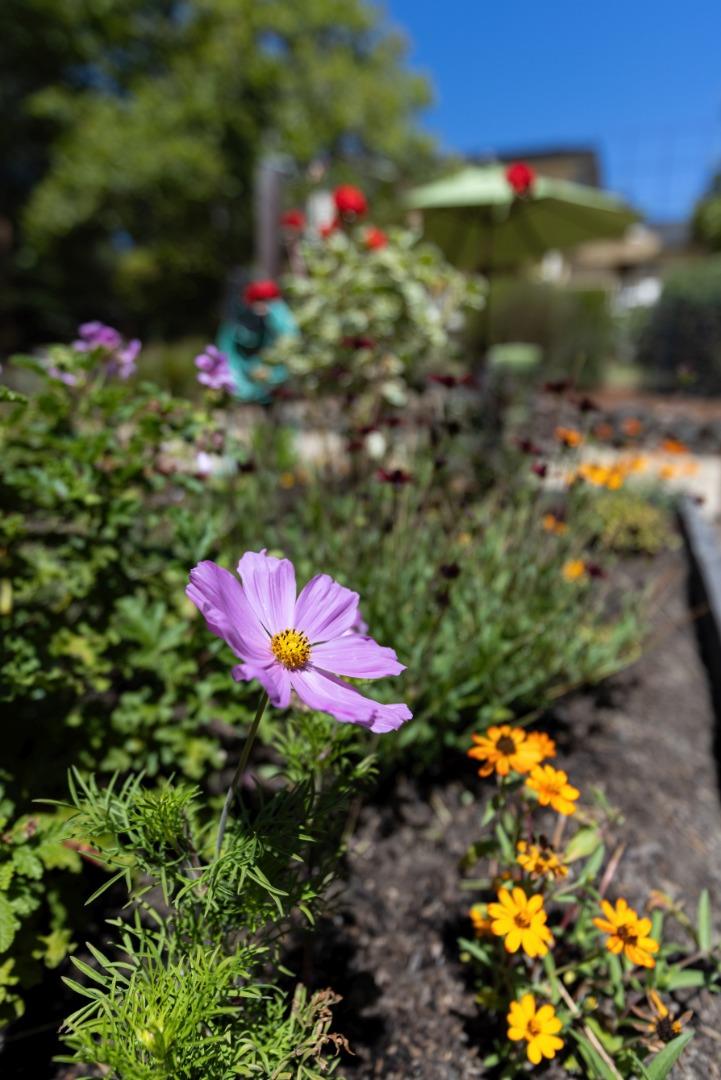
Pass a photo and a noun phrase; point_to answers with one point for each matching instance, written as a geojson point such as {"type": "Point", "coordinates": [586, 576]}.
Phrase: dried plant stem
{"type": "Point", "coordinates": [237, 776]}
{"type": "Point", "coordinates": [587, 1031]}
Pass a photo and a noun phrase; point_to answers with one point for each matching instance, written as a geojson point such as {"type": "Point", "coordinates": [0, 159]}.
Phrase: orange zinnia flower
{"type": "Point", "coordinates": [674, 446]}
{"type": "Point", "coordinates": [553, 524]}
{"type": "Point", "coordinates": [627, 933]}
{"type": "Point", "coordinates": [502, 749]}
{"type": "Point", "coordinates": [569, 437]}
{"type": "Point", "coordinates": [659, 1026]}
{"type": "Point", "coordinates": [553, 789]}
{"type": "Point", "coordinates": [574, 570]}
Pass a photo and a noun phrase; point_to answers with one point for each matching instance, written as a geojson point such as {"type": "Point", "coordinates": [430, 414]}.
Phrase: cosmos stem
{"type": "Point", "coordinates": [237, 776]}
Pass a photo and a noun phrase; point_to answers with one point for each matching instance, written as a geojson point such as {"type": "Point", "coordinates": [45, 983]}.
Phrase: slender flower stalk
{"type": "Point", "coordinates": [238, 775]}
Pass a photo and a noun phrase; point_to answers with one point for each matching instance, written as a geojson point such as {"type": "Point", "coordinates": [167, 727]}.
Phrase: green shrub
{"type": "Point", "coordinates": [372, 324]}
{"type": "Point", "coordinates": [628, 521]}
{"type": "Point", "coordinates": [680, 340]}
{"type": "Point", "coordinates": [573, 327]}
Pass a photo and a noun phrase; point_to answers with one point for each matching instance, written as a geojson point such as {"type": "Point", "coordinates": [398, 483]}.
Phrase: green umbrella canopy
{"type": "Point", "coordinates": [481, 224]}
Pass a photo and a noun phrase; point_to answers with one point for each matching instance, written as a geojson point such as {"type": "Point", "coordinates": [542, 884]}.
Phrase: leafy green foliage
{"type": "Point", "coordinates": [372, 323]}
{"type": "Point", "coordinates": [136, 131]}
{"type": "Point", "coordinates": [195, 990]}
{"type": "Point", "coordinates": [32, 914]}
{"type": "Point", "coordinates": [681, 337]}
{"type": "Point", "coordinates": [628, 521]}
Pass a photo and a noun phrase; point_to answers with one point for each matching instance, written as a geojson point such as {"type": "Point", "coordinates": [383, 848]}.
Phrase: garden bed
{"type": "Point", "coordinates": [646, 738]}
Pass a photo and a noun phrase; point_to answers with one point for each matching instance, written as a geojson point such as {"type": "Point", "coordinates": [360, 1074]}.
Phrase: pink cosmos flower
{"type": "Point", "coordinates": [214, 369]}
{"type": "Point", "coordinates": [298, 643]}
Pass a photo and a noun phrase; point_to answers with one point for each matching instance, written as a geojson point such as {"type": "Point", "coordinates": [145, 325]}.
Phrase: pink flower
{"type": "Point", "coordinates": [300, 644]}
{"type": "Point", "coordinates": [214, 369]}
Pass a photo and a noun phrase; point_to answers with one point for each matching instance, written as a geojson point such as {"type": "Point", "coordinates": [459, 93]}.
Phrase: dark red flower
{"type": "Point", "coordinates": [594, 570]}
{"type": "Point", "coordinates": [397, 477]}
{"type": "Point", "coordinates": [520, 177]}
{"type": "Point", "coordinates": [359, 342]}
{"type": "Point", "coordinates": [540, 469]}
{"type": "Point", "coordinates": [527, 446]}
{"type": "Point", "coordinates": [350, 201]}
{"type": "Point", "coordinates": [587, 404]}
{"type": "Point", "coordinates": [449, 381]}
{"type": "Point", "coordinates": [261, 292]}
{"type": "Point", "coordinates": [557, 386]}
{"type": "Point", "coordinates": [293, 220]}
{"type": "Point", "coordinates": [374, 238]}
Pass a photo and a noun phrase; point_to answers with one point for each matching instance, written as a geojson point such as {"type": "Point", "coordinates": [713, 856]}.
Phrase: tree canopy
{"type": "Point", "coordinates": [135, 127]}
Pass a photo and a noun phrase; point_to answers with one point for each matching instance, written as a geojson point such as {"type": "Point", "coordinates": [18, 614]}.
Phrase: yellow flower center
{"type": "Point", "coordinates": [522, 920]}
{"type": "Point", "coordinates": [533, 1028]}
{"type": "Point", "coordinates": [506, 745]}
{"type": "Point", "coordinates": [291, 648]}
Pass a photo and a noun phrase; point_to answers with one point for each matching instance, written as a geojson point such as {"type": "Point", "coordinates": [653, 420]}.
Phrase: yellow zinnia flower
{"type": "Point", "coordinates": [574, 570]}
{"type": "Point", "coordinates": [503, 748]}
{"type": "Point", "coordinates": [545, 745]}
{"type": "Point", "coordinates": [540, 860]}
{"type": "Point", "coordinates": [627, 933]}
{"type": "Point", "coordinates": [553, 789]}
{"type": "Point", "coordinates": [538, 1027]}
{"type": "Point", "coordinates": [521, 921]}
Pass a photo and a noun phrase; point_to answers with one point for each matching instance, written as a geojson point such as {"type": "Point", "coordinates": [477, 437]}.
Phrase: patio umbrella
{"type": "Point", "coordinates": [494, 218]}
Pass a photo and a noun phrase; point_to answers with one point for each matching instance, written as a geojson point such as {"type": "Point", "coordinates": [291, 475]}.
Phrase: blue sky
{"type": "Point", "coordinates": [639, 80]}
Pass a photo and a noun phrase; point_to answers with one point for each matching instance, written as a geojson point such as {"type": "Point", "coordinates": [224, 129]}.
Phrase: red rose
{"type": "Point", "coordinates": [375, 238]}
{"type": "Point", "coordinates": [261, 291]}
{"type": "Point", "coordinates": [350, 201]}
{"type": "Point", "coordinates": [293, 219]}
{"type": "Point", "coordinates": [520, 177]}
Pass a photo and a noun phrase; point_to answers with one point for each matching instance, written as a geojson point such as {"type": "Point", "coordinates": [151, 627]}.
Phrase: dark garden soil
{"type": "Point", "coordinates": [646, 738]}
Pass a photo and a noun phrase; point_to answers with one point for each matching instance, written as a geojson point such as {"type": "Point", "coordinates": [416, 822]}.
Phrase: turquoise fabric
{"type": "Point", "coordinates": [240, 344]}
